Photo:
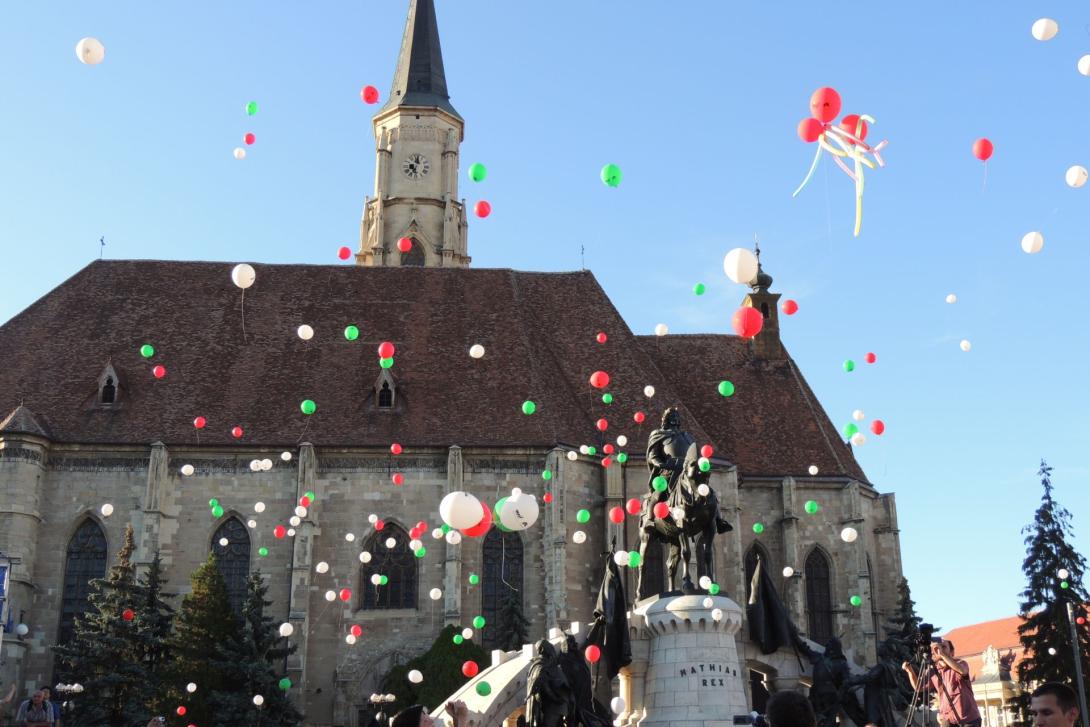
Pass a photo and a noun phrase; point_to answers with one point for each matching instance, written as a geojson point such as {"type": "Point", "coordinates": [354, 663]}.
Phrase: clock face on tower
{"type": "Point", "coordinates": [416, 166]}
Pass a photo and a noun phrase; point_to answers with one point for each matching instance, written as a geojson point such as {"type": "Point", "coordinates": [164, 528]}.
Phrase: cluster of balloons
{"type": "Point", "coordinates": [462, 511]}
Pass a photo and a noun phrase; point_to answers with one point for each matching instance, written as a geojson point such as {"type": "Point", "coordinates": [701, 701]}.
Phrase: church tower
{"type": "Point", "coordinates": [417, 134]}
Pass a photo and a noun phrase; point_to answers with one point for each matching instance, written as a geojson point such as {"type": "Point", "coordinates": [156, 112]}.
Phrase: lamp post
{"type": "Point", "coordinates": [69, 691]}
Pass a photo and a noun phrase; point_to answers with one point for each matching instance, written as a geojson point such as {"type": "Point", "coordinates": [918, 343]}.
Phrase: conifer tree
{"type": "Point", "coordinates": [1054, 572]}
{"type": "Point", "coordinates": [513, 624]}
{"type": "Point", "coordinates": [903, 628]}
{"type": "Point", "coordinates": [113, 650]}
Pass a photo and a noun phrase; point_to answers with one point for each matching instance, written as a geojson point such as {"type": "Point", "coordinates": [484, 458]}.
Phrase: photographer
{"type": "Point", "coordinates": [948, 678]}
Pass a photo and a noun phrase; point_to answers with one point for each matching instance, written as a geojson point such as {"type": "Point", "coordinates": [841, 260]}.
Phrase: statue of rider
{"type": "Point", "coordinates": [666, 450]}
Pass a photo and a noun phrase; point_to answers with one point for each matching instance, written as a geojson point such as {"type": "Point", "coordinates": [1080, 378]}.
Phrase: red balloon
{"type": "Point", "coordinates": [851, 122]}
{"type": "Point", "coordinates": [470, 669]}
{"type": "Point", "coordinates": [825, 104]}
{"type": "Point", "coordinates": [249, 138]}
{"type": "Point", "coordinates": [870, 357]}
{"type": "Point", "coordinates": [415, 534]}
{"type": "Point", "coordinates": [346, 594]}
{"type": "Point", "coordinates": [639, 417]}
{"type": "Point", "coordinates": [616, 515]}
{"type": "Point", "coordinates": [599, 379]}
{"type": "Point", "coordinates": [706, 451]}
{"type": "Point", "coordinates": [236, 432]}
{"type": "Point", "coordinates": [380, 524]}
{"type": "Point", "coordinates": [982, 149]}
{"type": "Point", "coordinates": [747, 321]}
{"type": "Point", "coordinates": [602, 425]}
{"type": "Point", "coordinates": [304, 501]}
{"type": "Point", "coordinates": [280, 531]}
{"type": "Point", "coordinates": [199, 423]}
{"type": "Point", "coordinates": [405, 244]}
{"type": "Point", "coordinates": [180, 711]}
{"type": "Point", "coordinates": [547, 497]}
{"type": "Point", "coordinates": [593, 654]}
{"type": "Point", "coordinates": [395, 448]}
{"type": "Point", "coordinates": [398, 478]}
{"type": "Point", "coordinates": [127, 614]}
{"type": "Point", "coordinates": [789, 307]}
{"type": "Point", "coordinates": [357, 630]}
{"type": "Point", "coordinates": [386, 350]}
{"type": "Point", "coordinates": [369, 94]}
{"type": "Point", "coordinates": [1080, 620]}
{"type": "Point", "coordinates": [483, 526]}
{"type": "Point", "coordinates": [159, 371]}
{"type": "Point", "coordinates": [878, 426]}
{"type": "Point", "coordinates": [662, 510]}
{"type": "Point", "coordinates": [344, 253]}
{"type": "Point", "coordinates": [633, 506]}
{"type": "Point", "coordinates": [607, 461]}
{"type": "Point", "coordinates": [810, 129]}
{"type": "Point", "coordinates": [601, 337]}
{"type": "Point", "coordinates": [608, 449]}
{"type": "Point", "coordinates": [482, 209]}
{"type": "Point", "coordinates": [422, 526]}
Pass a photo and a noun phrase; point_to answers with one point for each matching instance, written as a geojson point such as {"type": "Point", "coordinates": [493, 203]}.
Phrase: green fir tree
{"type": "Point", "coordinates": [1054, 572]}
{"type": "Point", "coordinates": [514, 627]}
{"type": "Point", "coordinates": [903, 628]}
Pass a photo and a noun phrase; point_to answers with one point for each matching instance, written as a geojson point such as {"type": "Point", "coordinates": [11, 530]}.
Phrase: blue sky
{"type": "Point", "coordinates": [699, 108]}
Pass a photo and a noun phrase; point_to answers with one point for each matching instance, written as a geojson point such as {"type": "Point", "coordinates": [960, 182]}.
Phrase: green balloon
{"type": "Point", "coordinates": [713, 589]}
{"type": "Point", "coordinates": [496, 511]}
{"type": "Point", "coordinates": [856, 601]}
{"type": "Point", "coordinates": [528, 407]}
{"type": "Point", "coordinates": [699, 288]}
{"type": "Point", "coordinates": [583, 516]}
{"type": "Point", "coordinates": [458, 639]}
{"type": "Point", "coordinates": [262, 551]}
{"type": "Point", "coordinates": [705, 464]}
{"type": "Point", "coordinates": [478, 622]}
{"type": "Point", "coordinates": [311, 496]}
{"type": "Point", "coordinates": [850, 429]}
{"type": "Point", "coordinates": [811, 507]}
{"type": "Point", "coordinates": [592, 450]}
{"type": "Point", "coordinates": [622, 457]}
{"type": "Point", "coordinates": [726, 388]}
{"type": "Point", "coordinates": [474, 579]}
{"type": "Point", "coordinates": [351, 333]}
{"type": "Point", "coordinates": [849, 365]}
{"type": "Point", "coordinates": [1064, 585]}
{"type": "Point", "coordinates": [386, 363]}
{"type": "Point", "coordinates": [251, 109]}
{"type": "Point", "coordinates": [477, 172]}
{"type": "Point", "coordinates": [445, 528]}
{"type": "Point", "coordinates": [147, 350]}
{"type": "Point", "coordinates": [217, 511]}
{"type": "Point", "coordinates": [546, 475]}
{"type": "Point", "coordinates": [213, 502]}
{"type": "Point", "coordinates": [611, 175]}
{"type": "Point", "coordinates": [421, 552]}
{"type": "Point", "coordinates": [484, 689]}
{"type": "Point", "coordinates": [634, 559]}
{"type": "Point", "coordinates": [383, 580]}
{"type": "Point", "coordinates": [660, 484]}
{"type": "Point", "coordinates": [285, 684]}
{"type": "Point", "coordinates": [308, 407]}
{"type": "Point", "coordinates": [758, 528]}
{"type": "Point", "coordinates": [607, 398]}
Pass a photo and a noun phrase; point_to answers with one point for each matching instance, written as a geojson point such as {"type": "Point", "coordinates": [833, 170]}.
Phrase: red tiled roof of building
{"type": "Point", "coordinates": [537, 328]}
{"type": "Point", "coordinates": [970, 642]}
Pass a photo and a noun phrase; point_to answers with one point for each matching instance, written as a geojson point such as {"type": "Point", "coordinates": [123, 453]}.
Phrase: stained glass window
{"type": "Point", "coordinates": [85, 561]}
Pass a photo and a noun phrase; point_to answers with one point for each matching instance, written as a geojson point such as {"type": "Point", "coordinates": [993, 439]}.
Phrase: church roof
{"type": "Point", "coordinates": [22, 421]}
{"type": "Point", "coordinates": [419, 79]}
{"type": "Point", "coordinates": [236, 360]}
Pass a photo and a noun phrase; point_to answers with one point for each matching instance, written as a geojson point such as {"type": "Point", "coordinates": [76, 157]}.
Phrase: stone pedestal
{"type": "Point", "coordinates": [694, 676]}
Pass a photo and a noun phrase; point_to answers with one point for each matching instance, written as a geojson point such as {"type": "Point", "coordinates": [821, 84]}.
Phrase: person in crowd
{"type": "Point", "coordinates": [417, 716]}
{"type": "Point", "coordinates": [34, 712]}
{"type": "Point", "coordinates": [790, 709]}
{"type": "Point", "coordinates": [54, 707]}
{"type": "Point", "coordinates": [1054, 705]}
{"type": "Point", "coordinates": [948, 679]}
{"type": "Point", "coordinates": [4, 704]}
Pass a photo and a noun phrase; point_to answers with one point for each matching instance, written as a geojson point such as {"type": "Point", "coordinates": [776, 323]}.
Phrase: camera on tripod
{"type": "Point", "coordinates": [925, 639]}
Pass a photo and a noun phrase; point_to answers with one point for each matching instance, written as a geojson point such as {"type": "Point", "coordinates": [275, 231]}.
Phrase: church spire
{"type": "Point", "coordinates": [419, 79]}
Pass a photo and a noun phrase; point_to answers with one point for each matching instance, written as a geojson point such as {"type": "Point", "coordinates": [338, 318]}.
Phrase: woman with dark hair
{"type": "Point", "coordinates": [416, 716]}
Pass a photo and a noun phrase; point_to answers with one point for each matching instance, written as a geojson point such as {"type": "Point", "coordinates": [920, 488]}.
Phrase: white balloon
{"type": "Point", "coordinates": [376, 578]}
{"type": "Point", "coordinates": [243, 275]}
{"type": "Point", "coordinates": [813, 470]}
{"type": "Point", "coordinates": [579, 537]}
{"type": "Point", "coordinates": [1051, 651]}
{"type": "Point", "coordinates": [454, 537]}
{"type": "Point", "coordinates": [849, 535]}
{"type": "Point", "coordinates": [476, 351]}
{"type": "Point", "coordinates": [617, 705]}
{"type": "Point", "coordinates": [415, 676]}
{"type": "Point", "coordinates": [90, 51]}
{"type": "Point", "coordinates": [516, 491]}
{"type": "Point", "coordinates": [708, 602]}
{"type": "Point", "coordinates": [584, 449]}
{"type": "Point", "coordinates": [350, 537]}
{"type": "Point", "coordinates": [224, 542]}
{"type": "Point", "coordinates": [437, 533]}
{"type": "Point", "coordinates": [365, 557]}
{"type": "Point", "coordinates": [331, 596]}
{"type": "Point", "coordinates": [291, 532]}
{"type": "Point", "coordinates": [415, 545]}
{"type": "Point", "coordinates": [1032, 242]}
{"type": "Point", "coordinates": [258, 700]}
{"type": "Point", "coordinates": [519, 513]}
{"type": "Point", "coordinates": [717, 614]}
{"type": "Point", "coordinates": [467, 633]}
{"type": "Point", "coordinates": [191, 687]}
{"type": "Point", "coordinates": [372, 518]}
{"type": "Point", "coordinates": [1063, 573]}
{"type": "Point", "coordinates": [740, 265]}
{"type": "Point", "coordinates": [259, 507]}
{"type": "Point", "coordinates": [649, 391]}
{"type": "Point", "coordinates": [305, 332]}
{"type": "Point", "coordinates": [435, 594]}
{"type": "Point", "coordinates": [187, 470]}
{"type": "Point", "coordinates": [322, 567]}
{"type": "Point", "coordinates": [266, 464]}
{"type": "Point", "coordinates": [620, 558]}
{"type": "Point", "coordinates": [285, 456]}
{"type": "Point", "coordinates": [1084, 65]}
{"type": "Point", "coordinates": [622, 441]}
{"type": "Point", "coordinates": [1076, 176]}
{"type": "Point", "coordinates": [251, 523]}
{"type": "Point", "coordinates": [300, 511]}
{"type": "Point", "coordinates": [857, 415]}
{"type": "Point", "coordinates": [662, 329]}
{"type": "Point", "coordinates": [286, 629]}
{"type": "Point", "coordinates": [678, 514]}
{"type": "Point", "coordinates": [572, 455]}
{"type": "Point", "coordinates": [703, 490]}
{"type": "Point", "coordinates": [255, 465]}
{"type": "Point", "coordinates": [951, 298]}
{"type": "Point", "coordinates": [859, 439]}
{"type": "Point", "coordinates": [350, 639]}
{"type": "Point", "coordinates": [1045, 29]}
{"type": "Point", "coordinates": [705, 582]}
{"type": "Point", "coordinates": [788, 571]}
{"type": "Point", "coordinates": [460, 510]}
{"type": "Point", "coordinates": [391, 543]}
{"type": "Point", "coordinates": [965, 345]}
{"type": "Point", "coordinates": [239, 153]}
{"type": "Point", "coordinates": [107, 510]}
{"type": "Point", "coordinates": [294, 521]}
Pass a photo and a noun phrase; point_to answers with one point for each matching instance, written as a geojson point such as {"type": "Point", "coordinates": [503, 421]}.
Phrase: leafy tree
{"type": "Point", "coordinates": [1045, 631]}
{"type": "Point", "coordinates": [441, 666]}
{"type": "Point", "coordinates": [513, 627]}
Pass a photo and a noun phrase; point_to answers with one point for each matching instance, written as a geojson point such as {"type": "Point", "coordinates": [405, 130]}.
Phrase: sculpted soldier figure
{"type": "Point", "coordinates": [549, 697]}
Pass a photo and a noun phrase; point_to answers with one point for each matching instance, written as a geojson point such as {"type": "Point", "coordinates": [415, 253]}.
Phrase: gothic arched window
{"type": "Point", "coordinates": [501, 571]}
{"type": "Point", "coordinates": [231, 546]}
{"type": "Point", "coordinates": [415, 256]}
{"type": "Point", "coordinates": [84, 561]}
{"type": "Point", "coordinates": [755, 551]}
{"type": "Point", "coordinates": [385, 396]}
{"type": "Point", "coordinates": [109, 391]}
{"type": "Point", "coordinates": [397, 563]}
{"type": "Point", "coordinates": [819, 608]}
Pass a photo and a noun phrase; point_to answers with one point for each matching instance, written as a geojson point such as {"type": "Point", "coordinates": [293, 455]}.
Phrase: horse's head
{"type": "Point", "coordinates": [692, 468]}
